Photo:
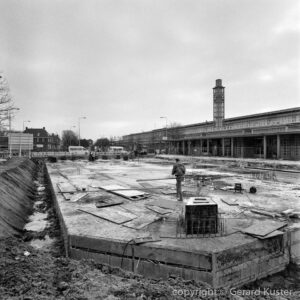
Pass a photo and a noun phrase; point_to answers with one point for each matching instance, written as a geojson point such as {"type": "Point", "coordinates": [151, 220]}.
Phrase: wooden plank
{"type": "Point", "coordinates": [66, 187]}
{"type": "Point", "coordinates": [108, 202]}
{"type": "Point", "coordinates": [272, 234]}
{"type": "Point", "coordinates": [112, 214]}
{"type": "Point", "coordinates": [154, 179]}
{"type": "Point", "coordinates": [78, 196]}
{"type": "Point", "coordinates": [230, 202]}
{"type": "Point", "coordinates": [128, 193]}
{"type": "Point", "coordinates": [67, 196]}
{"type": "Point", "coordinates": [168, 191]}
{"type": "Point", "coordinates": [113, 187]}
{"type": "Point", "coordinates": [265, 213]}
{"type": "Point", "coordinates": [165, 203]}
{"type": "Point", "coordinates": [158, 209]}
{"type": "Point", "coordinates": [263, 228]}
{"type": "Point", "coordinates": [142, 221]}
{"type": "Point", "coordinates": [132, 194]}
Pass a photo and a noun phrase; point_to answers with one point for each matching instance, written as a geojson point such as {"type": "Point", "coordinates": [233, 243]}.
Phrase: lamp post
{"type": "Point", "coordinates": [166, 137]}
{"type": "Point", "coordinates": [79, 129]}
{"type": "Point", "coordinates": [9, 125]}
{"type": "Point", "coordinates": [20, 153]}
{"type": "Point", "coordinates": [9, 116]}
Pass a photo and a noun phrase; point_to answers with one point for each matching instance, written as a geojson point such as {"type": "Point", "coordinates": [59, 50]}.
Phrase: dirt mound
{"type": "Point", "coordinates": [26, 273]}
{"type": "Point", "coordinates": [16, 195]}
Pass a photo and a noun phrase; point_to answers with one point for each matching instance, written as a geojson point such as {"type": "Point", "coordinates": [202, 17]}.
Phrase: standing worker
{"type": "Point", "coordinates": [178, 171]}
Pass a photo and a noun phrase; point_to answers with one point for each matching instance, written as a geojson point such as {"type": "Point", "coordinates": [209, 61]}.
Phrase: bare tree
{"type": "Point", "coordinates": [6, 103]}
{"type": "Point", "coordinates": [174, 131]}
{"type": "Point", "coordinates": [69, 138]}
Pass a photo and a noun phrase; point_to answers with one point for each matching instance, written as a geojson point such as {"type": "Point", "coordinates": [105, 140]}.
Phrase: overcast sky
{"type": "Point", "coordinates": [124, 64]}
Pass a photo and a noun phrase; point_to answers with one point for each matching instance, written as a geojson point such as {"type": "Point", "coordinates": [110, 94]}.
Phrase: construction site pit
{"type": "Point", "coordinates": [125, 214]}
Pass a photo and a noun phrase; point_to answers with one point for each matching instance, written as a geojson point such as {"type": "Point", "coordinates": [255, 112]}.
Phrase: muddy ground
{"type": "Point", "coordinates": [30, 272]}
{"type": "Point", "coordinates": [49, 275]}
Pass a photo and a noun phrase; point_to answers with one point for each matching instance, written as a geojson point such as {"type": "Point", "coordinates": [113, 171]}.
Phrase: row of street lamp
{"type": "Point", "coordinates": [28, 121]}
{"type": "Point", "coordinates": [79, 128]}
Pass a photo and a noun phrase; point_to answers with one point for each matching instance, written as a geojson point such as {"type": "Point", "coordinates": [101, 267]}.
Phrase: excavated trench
{"type": "Point", "coordinates": [17, 195]}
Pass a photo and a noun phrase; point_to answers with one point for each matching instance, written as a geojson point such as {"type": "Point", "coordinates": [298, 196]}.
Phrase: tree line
{"type": "Point", "coordinates": [70, 138]}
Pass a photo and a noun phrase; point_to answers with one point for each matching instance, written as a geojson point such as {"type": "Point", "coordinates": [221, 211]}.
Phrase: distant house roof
{"type": "Point", "coordinates": [37, 131]}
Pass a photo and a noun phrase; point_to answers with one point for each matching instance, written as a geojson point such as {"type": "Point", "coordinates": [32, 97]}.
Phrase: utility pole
{"type": "Point", "coordinates": [79, 129]}
{"type": "Point", "coordinates": [166, 137]}
{"type": "Point", "coordinates": [9, 110]}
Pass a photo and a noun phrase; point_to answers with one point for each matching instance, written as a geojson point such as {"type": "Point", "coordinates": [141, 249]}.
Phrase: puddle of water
{"type": "Point", "coordinates": [37, 222]}
{"type": "Point", "coordinates": [45, 244]}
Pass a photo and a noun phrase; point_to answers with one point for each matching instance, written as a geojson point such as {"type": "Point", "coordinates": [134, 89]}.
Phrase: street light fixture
{"type": "Point", "coordinates": [28, 121]}
{"type": "Point", "coordinates": [79, 129]}
{"type": "Point", "coordinates": [166, 137]}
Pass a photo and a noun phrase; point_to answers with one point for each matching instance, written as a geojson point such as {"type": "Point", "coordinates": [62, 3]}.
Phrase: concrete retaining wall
{"type": "Point", "coordinates": [295, 243]}
{"type": "Point", "coordinates": [254, 265]}
{"type": "Point", "coordinates": [16, 195]}
{"type": "Point", "coordinates": [63, 227]}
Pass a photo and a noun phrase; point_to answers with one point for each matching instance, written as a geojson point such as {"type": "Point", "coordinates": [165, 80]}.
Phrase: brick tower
{"type": "Point", "coordinates": [219, 97]}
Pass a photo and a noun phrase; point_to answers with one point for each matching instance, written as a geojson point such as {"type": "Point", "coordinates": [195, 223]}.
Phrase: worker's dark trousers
{"type": "Point", "coordinates": [179, 179]}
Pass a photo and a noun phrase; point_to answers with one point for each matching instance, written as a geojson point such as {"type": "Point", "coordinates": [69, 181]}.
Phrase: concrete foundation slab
{"type": "Point", "coordinates": [220, 261]}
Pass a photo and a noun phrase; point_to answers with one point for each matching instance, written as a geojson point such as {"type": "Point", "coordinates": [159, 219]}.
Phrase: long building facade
{"type": "Point", "coordinates": [270, 135]}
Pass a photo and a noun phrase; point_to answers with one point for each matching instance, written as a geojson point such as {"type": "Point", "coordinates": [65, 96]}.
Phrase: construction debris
{"type": "Point", "coordinates": [165, 204]}
{"type": "Point", "coordinates": [142, 221]}
{"type": "Point", "coordinates": [111, 214]}
{"type": "Point", "coordinates": [158, 209]}
{"type": "Point", "coordinates": [230, 202]}
{"type": "Point", "coordinates": [106, 202]}
{"type": "Point", "coordinates": [126, 192]}
{"type": "Point", "coordinates": [265, 213]}
{"type": "Point", "coordinates": [263, 228]}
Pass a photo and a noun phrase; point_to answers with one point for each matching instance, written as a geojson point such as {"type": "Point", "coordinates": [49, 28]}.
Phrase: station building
{"type": "Point", "coordinates": [273, 135]}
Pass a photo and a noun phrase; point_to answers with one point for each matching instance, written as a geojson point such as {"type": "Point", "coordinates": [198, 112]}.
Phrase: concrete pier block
{"type": "Point", "coordinates": [295, 243]}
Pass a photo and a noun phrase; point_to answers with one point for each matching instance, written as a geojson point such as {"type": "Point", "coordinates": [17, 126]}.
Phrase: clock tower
{"type": "Point", "coordinates": [219, 96]}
